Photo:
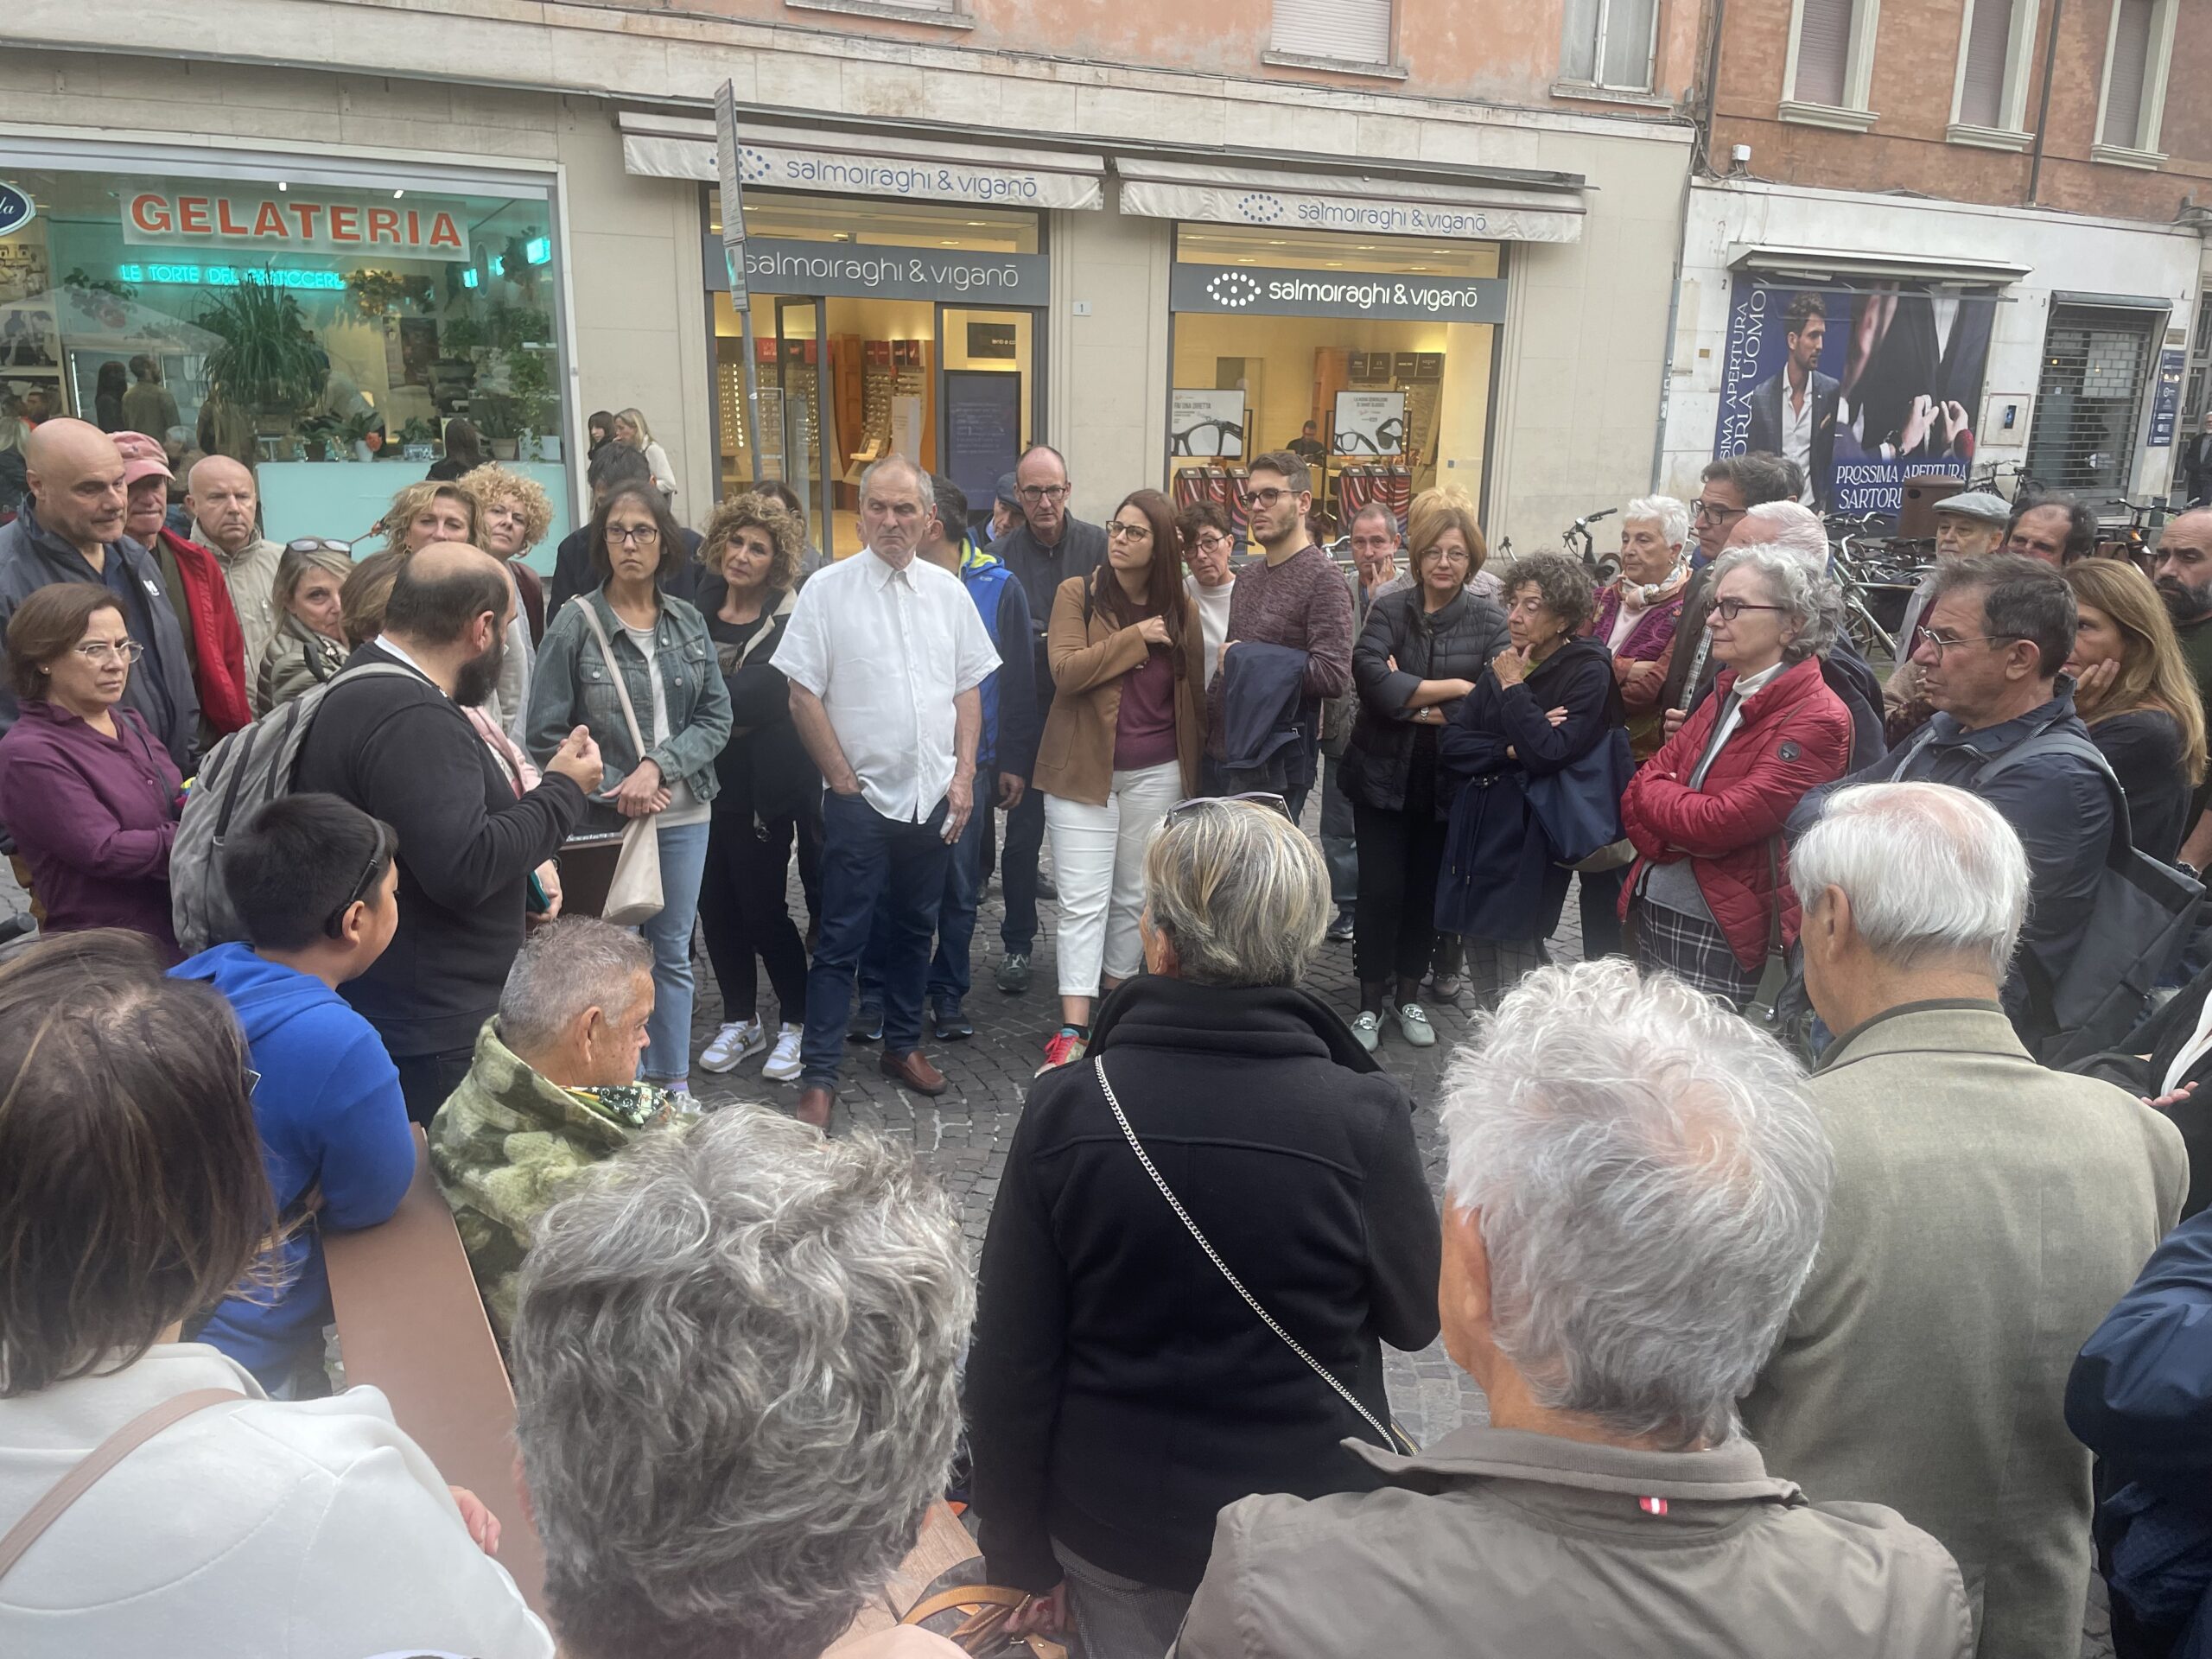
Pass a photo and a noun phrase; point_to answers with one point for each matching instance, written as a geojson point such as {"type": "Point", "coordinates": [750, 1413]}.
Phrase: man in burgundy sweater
{"type": "Point", "coordinates": [1296, 599]}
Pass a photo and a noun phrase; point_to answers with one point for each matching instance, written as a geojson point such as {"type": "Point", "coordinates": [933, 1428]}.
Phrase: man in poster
{"type": "Point", "coordinates": [1793, 410]}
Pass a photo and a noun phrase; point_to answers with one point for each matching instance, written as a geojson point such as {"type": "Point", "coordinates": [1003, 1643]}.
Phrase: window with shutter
{"type": "Point", "coordinates": [1578, 44]}
{"type": "Point", "coordinates": [1824, 52]}
{"type": "Point", "coordinates": [1354, 31]}
{"type": "Point", "coordinates": [1607, 43]}
{"type": "Point", "coordinates": [1989, 38]}
{"type": "Point", "coordinates": [2130, 60]}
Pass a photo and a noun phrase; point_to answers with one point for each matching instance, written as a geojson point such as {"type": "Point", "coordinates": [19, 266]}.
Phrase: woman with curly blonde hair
{"type": "Point", "coordinates": [751, 555]}
{"type": "Point", "coordinates": [516, 513]}
{"type": "Point", "coordinates": [431, 510]}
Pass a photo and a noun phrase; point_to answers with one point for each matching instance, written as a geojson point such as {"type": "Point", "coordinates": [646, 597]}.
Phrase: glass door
{"type": "Point", "coordinates": [801, 419]}
{"type": "Point", "coordinates": [987, 391]}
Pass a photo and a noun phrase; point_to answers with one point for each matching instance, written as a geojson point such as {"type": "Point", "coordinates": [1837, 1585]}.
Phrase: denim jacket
{"type": "Point", "coordinates": [571, 686]}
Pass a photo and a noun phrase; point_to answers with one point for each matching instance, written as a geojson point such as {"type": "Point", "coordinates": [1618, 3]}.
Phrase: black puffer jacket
{"type": "Point", "coordinates": [1119, 1392]}
{"type": "Point", "coordinates": [1456, 643]}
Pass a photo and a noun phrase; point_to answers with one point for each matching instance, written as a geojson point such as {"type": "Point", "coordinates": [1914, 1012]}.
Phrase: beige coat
{"type": "Point", "coordinates": [1987, 1214]}
{"type": "Point", "coordinates": [1075, 759]}
{"type": "Point", "coordinates": [1498, 1544]}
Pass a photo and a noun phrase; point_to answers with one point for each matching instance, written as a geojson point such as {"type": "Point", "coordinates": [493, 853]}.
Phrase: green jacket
{"type": "Point", "coordinates": [507, 1143]}
{"type": "Point", "coordinates": [297, 659]}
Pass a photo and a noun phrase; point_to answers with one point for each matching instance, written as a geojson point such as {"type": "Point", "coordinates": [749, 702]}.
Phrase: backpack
{"type": "Point", "coordinates": [2144, 914]}
{"type": "Point", "coordinates": [244, 772]}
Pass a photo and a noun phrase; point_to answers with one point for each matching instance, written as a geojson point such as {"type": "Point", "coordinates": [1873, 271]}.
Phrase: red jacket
{"type": "Point", "coordinates": [1795, 736]}
{"type": "Point", "coordinates": [218, 664]}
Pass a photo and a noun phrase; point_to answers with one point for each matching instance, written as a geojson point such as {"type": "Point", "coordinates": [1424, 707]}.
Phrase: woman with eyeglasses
{"type": "Point", "coordinates": [310, 645]}
{"type": "Point", "coordinates": [660, 647]}
{"type": "Point", "coordinates": [89, 793]}
{"type": "Point", "coordinates": [2134, 690]}
{"type": "Point", "coordinates": [1120, 745]}
{"type": "Point", "coordinates": [1708, 900]}
{"type": "Point", "coordinates": [1211, 582]}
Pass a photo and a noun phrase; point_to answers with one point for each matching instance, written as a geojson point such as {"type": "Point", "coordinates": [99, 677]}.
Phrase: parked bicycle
{"type": "Point", "coordinates": [1876, 575]}
{"type": "Point", "coordinates": [1579, 542]}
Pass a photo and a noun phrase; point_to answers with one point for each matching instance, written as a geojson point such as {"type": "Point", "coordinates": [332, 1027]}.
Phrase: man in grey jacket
{"type": "Point", "coordinates": [1635, 1190]}
{"type": "Point", "coordinates": [1986, 1214]}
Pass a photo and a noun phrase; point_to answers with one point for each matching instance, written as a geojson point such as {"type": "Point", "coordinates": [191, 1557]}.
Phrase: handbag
{"type": "Point", "coordinates": [635, 895]}
{"type": "Point", "coordinates": [1579, 806]}
{"type": "Point", "coordinates": [1763, 1010]}
{"type": "Point", "coordinates": [1394, 1439]}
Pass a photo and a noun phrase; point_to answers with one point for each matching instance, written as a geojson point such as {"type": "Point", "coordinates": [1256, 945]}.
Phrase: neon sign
{"type": "Point", "coordinates": [226, 276]}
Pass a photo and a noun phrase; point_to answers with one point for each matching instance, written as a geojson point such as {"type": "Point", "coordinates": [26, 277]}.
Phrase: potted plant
{"type": "Point", "coordinates": [316, 433]}
{"type": "Point", "coordinates": [270, 360]}
{"type": "Point", "coordinates": [363, 432]}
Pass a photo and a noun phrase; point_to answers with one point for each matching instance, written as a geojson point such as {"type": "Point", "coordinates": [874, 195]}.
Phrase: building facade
{"type": "Point", "coordinates": [1159, 241]}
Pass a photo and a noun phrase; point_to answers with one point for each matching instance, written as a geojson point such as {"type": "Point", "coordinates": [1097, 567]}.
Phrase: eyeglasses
{"type": "Point", "coordinates": [1715, 511]}
{"type": "Point", "coordinates": [1210, 540]}
{"type": "Point", "coordinates": [1182, 810]}
{"type": "Point", "coordinates": [308, 545]}
{"type": "Point", "coordinates": [1268, 497]}
{"type": "Point", "coordinates": [252, 1078]}
{"type": "Point", "coordinates": [1116, 530]}
{"type": "Point", "coordinates": [633, 535]}
{"type": "Point", "coordinates": [1729, 609]}
{"type": "Point", "coordinates": [359, 890]}
{"type": "Point", "coordinates": [1042, 492]}
{"type": "Point", "coordinates": [1940, 643]}
{"type": "Point", "coordinates": [99, 650]}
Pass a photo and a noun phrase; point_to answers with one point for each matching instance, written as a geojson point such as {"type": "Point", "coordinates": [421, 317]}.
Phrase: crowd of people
{"type": "Point", "coordinates": [1808, 1358]}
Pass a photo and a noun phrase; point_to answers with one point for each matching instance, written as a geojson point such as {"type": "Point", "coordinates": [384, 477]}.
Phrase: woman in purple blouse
{"type": "Point", "coordinates": [89, 794]}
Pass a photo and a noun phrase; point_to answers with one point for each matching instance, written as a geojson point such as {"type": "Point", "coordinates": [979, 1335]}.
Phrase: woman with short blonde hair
{"type": "Point", "coordinates": [432, 509]}
{"type": "Point", "coordinates": [631, 430]}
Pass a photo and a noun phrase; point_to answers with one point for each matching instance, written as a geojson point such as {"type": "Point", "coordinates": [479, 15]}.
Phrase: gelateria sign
{"type": "Point", "coordinates": [264, 219]}
{"type": "Point", "coordinates": [1266, 291]}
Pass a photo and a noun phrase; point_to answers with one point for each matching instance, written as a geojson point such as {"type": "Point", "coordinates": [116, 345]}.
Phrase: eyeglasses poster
{"type": "Point", "coordinates": [1206, 422]}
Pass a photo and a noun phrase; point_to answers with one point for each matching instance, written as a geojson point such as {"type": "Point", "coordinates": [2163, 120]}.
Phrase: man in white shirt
{"type": "Point", "coordinates": [886, 655]}
{"type": "Point", "coordinates": [1793, 413]}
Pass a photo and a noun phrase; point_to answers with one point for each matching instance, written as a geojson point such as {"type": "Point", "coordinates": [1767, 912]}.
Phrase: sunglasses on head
{"type": "Point", "coordinates": [1260, 797]}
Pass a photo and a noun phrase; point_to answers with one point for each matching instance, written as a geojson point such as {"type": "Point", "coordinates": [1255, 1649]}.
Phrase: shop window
{"type": "Point", "coordinates": [1990, 90]}
{"type": "Point", "coordinates": [1607, 43]}
{"type": "Point", "coordinates": [2096, 364]}
{"type": "Point", "coordinates": [2131, 108]}
{"type": "Point", "coordinates": [1332, 31]}
{"type": "Point", "coordinates": [292, 324]}
{"type": "Point", "coordinates": [1831, 63]}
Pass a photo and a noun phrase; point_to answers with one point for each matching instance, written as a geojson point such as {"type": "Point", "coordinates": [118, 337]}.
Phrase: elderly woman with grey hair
{"type": "Point", "coordinates": [735, 1390]}
{"type": "Point", "coordinates": [1708, 900]}
{"type": "Point", "coordinates": [1635, 1191]}
{"type": "Point", "coordinates": [1121, 1387]}
{"type": "Point", "coordinates": [1544, 704]}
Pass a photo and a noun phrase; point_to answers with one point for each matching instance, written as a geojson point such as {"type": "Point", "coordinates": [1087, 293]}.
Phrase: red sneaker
{"type": "Point", "coordinates": [1065, 1048]}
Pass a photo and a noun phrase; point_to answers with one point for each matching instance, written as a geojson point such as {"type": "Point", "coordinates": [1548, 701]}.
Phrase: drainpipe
{"type": "Point", "coordinates": [1699, 157]}
{"type": "Point", "coordinates": [2043, 104]}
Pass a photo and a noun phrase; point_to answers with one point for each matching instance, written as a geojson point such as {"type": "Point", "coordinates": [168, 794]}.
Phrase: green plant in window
{"type": "Point", "coordinates": [375, 294]}
{"type": "Point", "coordinates": [270, 360]}
{"type": "Point", "coordinates": [316, 434]}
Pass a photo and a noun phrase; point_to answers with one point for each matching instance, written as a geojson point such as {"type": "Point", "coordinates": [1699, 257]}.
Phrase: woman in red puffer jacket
{"type": "Point", "coordinates": [1705, 813]}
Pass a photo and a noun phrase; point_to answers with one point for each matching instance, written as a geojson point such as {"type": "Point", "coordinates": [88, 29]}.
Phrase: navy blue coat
{"type": "Point", "coordinates": [2140, 1397]}
{"type": "Point", "coordinates": [1501, 879]}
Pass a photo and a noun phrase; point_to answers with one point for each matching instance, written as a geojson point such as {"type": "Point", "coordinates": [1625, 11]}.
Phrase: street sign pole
{"type": "Point", "coordinates": [732, 206]}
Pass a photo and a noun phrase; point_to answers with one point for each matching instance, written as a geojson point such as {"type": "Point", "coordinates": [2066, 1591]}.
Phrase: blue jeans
{"type": "Point", "coordinates": [869, 865]}
{"type": "Point", "coordinates": [951, 971]}
{"type": "Point", "coordinates": [668, 1034]}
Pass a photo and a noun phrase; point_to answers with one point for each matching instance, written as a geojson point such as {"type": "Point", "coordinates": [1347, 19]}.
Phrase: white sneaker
{"type": "Point", "coordinates": [784, 1064]}
{"type": "Point", "coordinates": [733, 1043]}
{"type": "Point", "coordinates": [685, 1104]}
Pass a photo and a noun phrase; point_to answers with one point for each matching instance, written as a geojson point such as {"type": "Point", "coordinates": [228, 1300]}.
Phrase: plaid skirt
{"type": "Point", "coordinates": [1694, 950]}
{"type": "Point", "coordinates": [1496, 966]}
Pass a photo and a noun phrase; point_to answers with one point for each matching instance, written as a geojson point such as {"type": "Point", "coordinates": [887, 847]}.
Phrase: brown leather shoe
{"type": "Point", "coordinates": [814, 1106]}
{"type": "Point", "coordinates": [913, 1070]}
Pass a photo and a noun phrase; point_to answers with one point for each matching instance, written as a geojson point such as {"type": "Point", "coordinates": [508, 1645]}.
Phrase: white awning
{"type": "Point", "coordinates": [859, 164]}
{"type": "Point", "coordinates": [1826, 264]}
{"type": "Point", "coordinates": [1273, 197]}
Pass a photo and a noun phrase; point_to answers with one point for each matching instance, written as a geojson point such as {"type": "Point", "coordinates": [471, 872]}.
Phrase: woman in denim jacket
{"type": "Point", "coordinates": [667, 661]}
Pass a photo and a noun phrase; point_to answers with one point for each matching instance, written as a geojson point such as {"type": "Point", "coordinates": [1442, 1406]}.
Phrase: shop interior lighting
{"type": "Point", "coordinates": [499, 263]}
{"type": "Point", "coordinates": [538, 250]}
{"type": "Point", "coordinates": [472, 277]}
{"type": "Point", "coordinates": [281, 185]}
{"type": "Point", "coordinates": [397, 195]}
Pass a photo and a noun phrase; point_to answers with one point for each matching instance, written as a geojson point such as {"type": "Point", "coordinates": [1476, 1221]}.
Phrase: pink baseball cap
{"type": "Point", "coordinates": [142, 457]}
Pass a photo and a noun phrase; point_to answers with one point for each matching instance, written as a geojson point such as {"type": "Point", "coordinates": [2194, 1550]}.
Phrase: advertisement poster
{"type": "Point", "coordinates": [983, 429]}
{"type": "Point", "coordinates": [1205, 422]}
{"type": "Point", "coordinates": [1370, 423]}
{"type": "Point", "coordinates": [1863, 388]}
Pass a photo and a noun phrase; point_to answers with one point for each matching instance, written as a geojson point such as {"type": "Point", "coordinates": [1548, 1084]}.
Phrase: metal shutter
{"type": "Point", "coordinates": [1823, 52]}
{"type": "Point", "coordinates": [2131, 57]}
{"type": "Point", "coordinates": [1628, 45]}
{"type": "Point", "coordinates": [1982, 98]}
{"type": "Point", "coordinates": [2089, 407]}
{"type": "Point", "coordinates": [1356, 31]}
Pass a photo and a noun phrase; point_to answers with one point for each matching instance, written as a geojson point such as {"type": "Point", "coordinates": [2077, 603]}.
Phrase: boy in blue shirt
{"type": "Point", "coordinates": [315, 884]}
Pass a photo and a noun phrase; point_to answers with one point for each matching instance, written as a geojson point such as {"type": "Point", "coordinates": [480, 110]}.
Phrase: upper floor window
{"type": "Point", "coordinates": [2131, 106]}
{"type": "Point", "coordinates": [1831, 63]}
{"type": "Point", "coordinates": [1354, 33]}
{"type": "Point", "coordinates": [1990, 90]}
{"type": "Point", "coordinates": [1607, 43]}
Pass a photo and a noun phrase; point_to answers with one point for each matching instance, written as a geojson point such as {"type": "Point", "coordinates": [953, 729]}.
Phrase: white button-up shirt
{"type": "Point", "coordinates": [1798, 434]}
{"type": "Point", "coordinates": [887, 650]}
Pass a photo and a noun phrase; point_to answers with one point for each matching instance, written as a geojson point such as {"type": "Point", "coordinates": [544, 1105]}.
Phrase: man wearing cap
{"type": "Point", "coordinates": [1006, 506]}
{"type": "Point", "coordinates": [1967, 525]}
{"type": "Point", "coordinates": [193, 583]}
{"type": "Point", "coordinates": [226, 508]}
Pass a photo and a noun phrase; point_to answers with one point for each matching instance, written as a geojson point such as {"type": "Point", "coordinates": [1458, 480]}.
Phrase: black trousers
{"type": "Point", "coordinates": [425, 1080]}
{"type": "Point", "coordinates": [1025, 840]}
{"type": "Point", "coordinates": [1394, 924]}
{"type": "Point", "coordinates": [1601, 913]}
{"type": "Point", "coordinates": [746, 915]}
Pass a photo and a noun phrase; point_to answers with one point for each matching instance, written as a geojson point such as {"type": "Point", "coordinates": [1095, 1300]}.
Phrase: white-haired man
{"type": "Point", "coordinates": [1986, 1213]}
{"type": "Point", "coordinates": [1635, 1189]}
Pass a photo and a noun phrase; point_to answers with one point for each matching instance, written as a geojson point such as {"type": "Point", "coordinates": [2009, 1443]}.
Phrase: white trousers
{"type": "Point", "coordinates": [1098, 867]}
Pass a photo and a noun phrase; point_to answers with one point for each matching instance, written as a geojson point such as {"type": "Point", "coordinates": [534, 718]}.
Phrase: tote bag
{"type": "Point", "coordinates": [633, 897]}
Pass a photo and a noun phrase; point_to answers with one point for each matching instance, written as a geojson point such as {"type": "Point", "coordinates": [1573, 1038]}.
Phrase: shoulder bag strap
{"type": "Point", "coordinates": [582, 603]}
{"type": "Point", "coordinates": [97, 1462]}
{"type": "Point", "coordinates": [1393, 1440]}
{"type": "Point", "coordinates": [1760, 1010]}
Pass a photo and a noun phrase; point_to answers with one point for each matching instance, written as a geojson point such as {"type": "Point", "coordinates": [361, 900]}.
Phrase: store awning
{"type": "Point", "coordinates": [1827, 264]}
{"type": "Point", "coordinates": [1367, 204]}
{"type": "Point", "coordinates": [2113, 302]}
{"type": "Point", "coordinates": [657, 146]}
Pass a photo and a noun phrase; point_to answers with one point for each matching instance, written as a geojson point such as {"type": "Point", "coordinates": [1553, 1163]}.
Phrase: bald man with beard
{"type": "Point", "coordinates": [397, 744]}
{"type": "Point", "coordinates": [71, 529]}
